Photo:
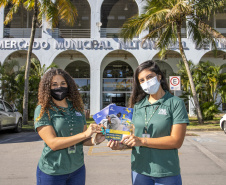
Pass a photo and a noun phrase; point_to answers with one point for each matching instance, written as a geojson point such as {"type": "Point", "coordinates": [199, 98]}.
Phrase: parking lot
{"type": "Point", "coordinates": [202, 157]}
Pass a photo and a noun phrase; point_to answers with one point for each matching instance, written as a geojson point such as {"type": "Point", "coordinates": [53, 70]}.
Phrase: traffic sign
{"type": "Point", "coordinates": [175, 83]}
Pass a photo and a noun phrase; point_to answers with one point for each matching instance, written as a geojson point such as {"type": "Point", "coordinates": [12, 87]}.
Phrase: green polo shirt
{"type": "Point", "coordinates": [65, 122]}
{"type": "Point", "coordinates": [150, 161]}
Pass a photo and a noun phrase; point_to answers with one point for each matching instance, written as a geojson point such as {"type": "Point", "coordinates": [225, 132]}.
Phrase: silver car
{"type": "Point", "coordinates": [223, 123]}
{"type": "Point", "coordinates": [9, 118]}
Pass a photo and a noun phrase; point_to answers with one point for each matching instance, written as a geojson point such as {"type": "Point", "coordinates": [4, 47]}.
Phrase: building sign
{"type": "Point", "coordinates": [22, 44]}
{"type": "Point", "coordinates": [147, 44]}
{"type": "Point", "coordinates": [221, 45]}
{"type": "Point", "coordinates": [77, 44]}
{"type": "Point", "coordinates": [175, 83]}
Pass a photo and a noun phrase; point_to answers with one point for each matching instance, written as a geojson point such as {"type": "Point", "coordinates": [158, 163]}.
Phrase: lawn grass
{"type": "Point", "coordinates": [208, 125]}
{"type": "Point", "coordinates": [30, 126]}
{"type": "Point", "coordinates": [90, 120]}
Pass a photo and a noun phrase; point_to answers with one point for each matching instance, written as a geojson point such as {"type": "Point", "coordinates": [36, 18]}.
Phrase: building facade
{"type": "Point", "coordinates": [91, 51]}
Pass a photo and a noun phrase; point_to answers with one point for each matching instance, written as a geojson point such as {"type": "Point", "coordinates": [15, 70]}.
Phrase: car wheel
{"type": "Point", "coordinates": [18, 126]}
{"type": "Point", "coordinates": [224, 126]}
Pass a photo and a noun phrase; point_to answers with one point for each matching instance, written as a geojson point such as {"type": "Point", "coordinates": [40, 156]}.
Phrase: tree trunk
{"type": "Point", "coordinates": [198, 110]}
{"type": "Point", "coordinates": [28, 65]}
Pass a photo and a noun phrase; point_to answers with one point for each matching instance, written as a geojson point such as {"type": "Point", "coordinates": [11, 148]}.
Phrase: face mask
{"type": "Point", "coordinates": [151, 86]}
{"type": "Point", "coordinates": [59, 93]}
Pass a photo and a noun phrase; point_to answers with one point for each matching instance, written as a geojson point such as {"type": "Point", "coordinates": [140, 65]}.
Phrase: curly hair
{"type": "Point", "coordinates": [137, 92]}
{"type": "Point", "coordinates": [44, 93]}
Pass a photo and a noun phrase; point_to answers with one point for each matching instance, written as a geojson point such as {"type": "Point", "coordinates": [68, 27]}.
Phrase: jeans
{"type": "Point", "coordinates": [75, 178]}
{"type": "Point", "coordinates": [138, 179]}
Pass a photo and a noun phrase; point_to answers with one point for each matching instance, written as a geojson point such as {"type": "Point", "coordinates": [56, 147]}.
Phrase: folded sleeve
{"type": "Point", "coordinates": [180, 114]}
{"type": "Point", "coordinates": [41, 121]}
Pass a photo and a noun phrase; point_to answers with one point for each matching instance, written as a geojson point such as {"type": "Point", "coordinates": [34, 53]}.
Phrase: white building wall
{"type": "Point", "coordinates": [47, 52]}
{"type": "Point", "coordinates": [46, 29]}
{"type": "Point", "coordinates": [1, 22]}
{"type": "Point", "coordinates": [95, 18]}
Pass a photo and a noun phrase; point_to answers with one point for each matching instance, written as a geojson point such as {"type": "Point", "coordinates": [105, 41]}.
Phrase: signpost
{"type": "Point", "coordinates": [175, 83]}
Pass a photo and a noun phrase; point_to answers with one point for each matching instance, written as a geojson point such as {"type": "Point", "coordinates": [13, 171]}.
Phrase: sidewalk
{"type": "Point", "coordinates": [107, 167]}
{"type": "Point", "coordinates": [202, 158]}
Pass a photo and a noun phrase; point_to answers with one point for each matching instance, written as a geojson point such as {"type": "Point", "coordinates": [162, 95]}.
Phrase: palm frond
{"type": "Point", "coordinates": [202, 34]}
{"type": "Point", "coordinates": [208, 7]}
{"type": "Point", "coordinates": [67, 11]}
{"type": "Point", "coordinates": [179, 11]}
{"type": "Point", "coordinates": [4, 3]}
{"type": "Point", "coordinates": [29, 4]}
{"type": "Point", "coordinates": [132, 27]}
{"type": "Point", "coordinates": [154, 16]}
{"type": "Point", "coordinates": [168, 37]}
{"type": "Point", "coordinates": [223, 66]}
{"type": "Point", "coordinates": [14, 9]}
{"type": "Point", "coordinates": [154, 31]}
{"type": "Point", "coordinates": [61, 10]}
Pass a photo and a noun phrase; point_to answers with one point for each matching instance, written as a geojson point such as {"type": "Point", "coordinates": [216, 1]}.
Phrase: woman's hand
{"type": "Point", "coordinates": [115, 145]}
{"type": "Point", "coordinates": [132, 141]}
{"type": "Point", "coordinates": [93, 128]}
{"type": "Point", "coordinates": [99, 138]}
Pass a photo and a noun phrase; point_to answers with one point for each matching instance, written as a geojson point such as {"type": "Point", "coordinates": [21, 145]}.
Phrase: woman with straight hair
{"type": "Point", "coordinates": [160, 121]}
{"type": "Point", "coordinates": [60, 122]}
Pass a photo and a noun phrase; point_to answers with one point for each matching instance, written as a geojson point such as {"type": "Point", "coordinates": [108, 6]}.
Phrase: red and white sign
{"type": "Point", "coordinates": [175, 83]}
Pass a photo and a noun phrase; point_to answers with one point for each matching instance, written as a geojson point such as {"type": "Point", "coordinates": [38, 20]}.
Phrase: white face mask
{"type": "Point", "coordinates": [151, 86]}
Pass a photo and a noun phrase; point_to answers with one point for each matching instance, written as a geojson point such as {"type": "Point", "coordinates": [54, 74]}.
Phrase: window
{"type": "Point", "coordinates": [117, 83]}
{"type": "Point", "coordinates": [118, 69]}
{"type": "Point", "coordinates": [8, 107]}
{"type": "Point", "coordinates": [80, 72]}
{"type": "Point", "coordinates": [2, 106]}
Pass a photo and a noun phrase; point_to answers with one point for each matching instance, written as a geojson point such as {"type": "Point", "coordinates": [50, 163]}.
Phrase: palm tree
{"type": "Point", "coordinates": [8, 72]}
{"type": "Point", "coordinates": [183, 73]}
{"type": "Point", "coordinates": [164, 19]}
{"type": "Point", "coordinates": [36, 73]}
{"type": "Point", "coordinates": [209, 81]}
{"type": "Point", "coordinates": [53, 11]}
{"type": "Point", "coordinates": [217, 82]}
{"type": "Point", "coordinates": [38, 70]}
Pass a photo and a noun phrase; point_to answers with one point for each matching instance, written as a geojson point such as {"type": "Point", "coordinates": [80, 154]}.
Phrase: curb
{"type": "Point", "coordinates": [198, 130]}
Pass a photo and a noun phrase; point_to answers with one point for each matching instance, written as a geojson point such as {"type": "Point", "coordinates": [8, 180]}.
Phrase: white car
{"type": "Point", "coordinates": [9, 118]}
{"type": "Point", "coordinates": [223, 123]}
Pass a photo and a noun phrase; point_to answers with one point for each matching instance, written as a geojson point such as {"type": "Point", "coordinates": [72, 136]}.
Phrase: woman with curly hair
{"type": "Point", "coordinates": [60, 122]}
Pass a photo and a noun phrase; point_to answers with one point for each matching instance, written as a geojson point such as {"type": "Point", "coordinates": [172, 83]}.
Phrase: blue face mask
{"type": "Point", "coordinates": [151, 86]}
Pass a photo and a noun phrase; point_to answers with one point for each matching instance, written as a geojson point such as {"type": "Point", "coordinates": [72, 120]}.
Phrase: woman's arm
{"type": "Point", "coordinates": [99, 138]}
{"type": "Point", "coordinates": [48, 134]}
{"type": "Point", "coordinates": [175, 140]}
{"type": "Point", "coordinates": [89, 141]}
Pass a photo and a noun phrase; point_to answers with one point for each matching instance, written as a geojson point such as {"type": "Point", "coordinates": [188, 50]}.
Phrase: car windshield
{"type": "Point", "coordinates": [8, 107]}
{"type": "Point", "coordinates": [1, 106]}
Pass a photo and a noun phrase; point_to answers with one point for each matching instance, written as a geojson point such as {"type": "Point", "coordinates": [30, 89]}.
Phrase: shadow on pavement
{"type": "Point", "coordinates": [8, 136]}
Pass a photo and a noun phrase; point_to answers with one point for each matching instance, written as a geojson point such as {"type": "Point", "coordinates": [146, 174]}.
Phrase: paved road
{"type": "Point", "coordinates": [202, 156]}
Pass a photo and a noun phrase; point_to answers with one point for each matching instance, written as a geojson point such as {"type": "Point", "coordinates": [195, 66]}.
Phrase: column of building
{"type": "Point", "coordinates": [95, 73]}
{"type": "Point", "coordinates": [1, 22]}
{"type": "Point", "coordinates": [46, 28]}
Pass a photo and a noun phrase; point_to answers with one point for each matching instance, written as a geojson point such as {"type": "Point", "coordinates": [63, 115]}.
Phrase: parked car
{"type": "Point", "coordinates": [9, 118]}
{"type": "Point", "coordinates": [223, 123]}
